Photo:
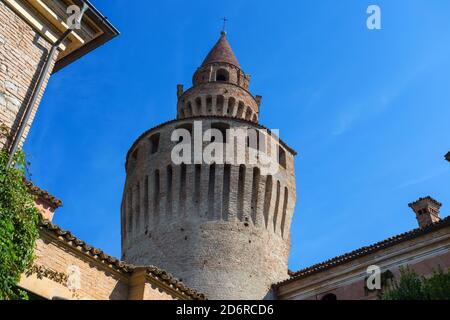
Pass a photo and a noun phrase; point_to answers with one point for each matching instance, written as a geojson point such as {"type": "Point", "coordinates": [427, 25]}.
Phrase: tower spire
{"type": "Point", "coordinates": [221, 52]}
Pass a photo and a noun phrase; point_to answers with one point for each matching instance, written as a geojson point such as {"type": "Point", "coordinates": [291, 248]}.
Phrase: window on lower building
{"type": "Point", "coordinates": [329, 297]}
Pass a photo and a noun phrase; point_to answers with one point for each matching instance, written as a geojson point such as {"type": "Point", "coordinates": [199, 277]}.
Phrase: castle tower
{"type": "Point", "coordinates": [221, 227]}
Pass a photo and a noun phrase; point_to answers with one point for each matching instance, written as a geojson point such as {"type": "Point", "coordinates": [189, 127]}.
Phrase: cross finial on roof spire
{"type": "Point", "coordinates": [224, 31]}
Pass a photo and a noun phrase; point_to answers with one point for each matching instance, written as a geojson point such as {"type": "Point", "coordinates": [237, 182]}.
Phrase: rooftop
{"type": "Point", "coordinates": [49, 18]}
{"type": "Point", "coordinates": [339, 260]}
{"type": "Point", "coordinates": [43, 194]}
{"type": "Point", "coordinates": [153, 272]}
{"type": "Point", "coordinates": [221, 52]}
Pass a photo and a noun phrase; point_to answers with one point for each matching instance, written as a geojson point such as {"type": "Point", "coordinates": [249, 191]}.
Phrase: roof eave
{"type": "Point", "coordinates": [109, 33]}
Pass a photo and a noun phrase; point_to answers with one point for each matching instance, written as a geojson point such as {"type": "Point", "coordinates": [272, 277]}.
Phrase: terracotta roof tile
{"type": "Point", "coordinates": [221, 52]}
{"type": "Point", "coordinates": [118, 265]}
{"type": "Point", "coordinates": [43, 194]}
{"type": "Point", "coordinates": [425, 198]}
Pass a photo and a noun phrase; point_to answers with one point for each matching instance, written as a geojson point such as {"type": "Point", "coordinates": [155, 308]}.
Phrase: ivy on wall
{"type": "Point", "coordinates": [18, 226]}
{"type": "Point", "coordinates": [44, 272]}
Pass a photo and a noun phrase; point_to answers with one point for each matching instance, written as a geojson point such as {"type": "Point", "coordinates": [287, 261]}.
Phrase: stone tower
{"type": "Point", "coordinates": [221, 227]}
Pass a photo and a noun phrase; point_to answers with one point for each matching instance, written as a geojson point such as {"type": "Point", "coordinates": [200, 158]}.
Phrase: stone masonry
{"type": "Point", "coordinates": [223, 229]}
{"type": "Point", "coordinates": [66, 267]}
{"type": "Point", "coordinates": [22, 53]}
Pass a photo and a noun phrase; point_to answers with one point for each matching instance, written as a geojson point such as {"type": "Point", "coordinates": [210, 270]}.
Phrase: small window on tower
{"type": "Point", "coordinates": [222, 75]}
{"type": "Point", "coordinates": [135, 154]}
{"type": "Point", "coordinates": [282, 157]}
{"type": "Point", "coordinates": [154, 143]}
{"type": "Point", "coordinates": [185, 126]}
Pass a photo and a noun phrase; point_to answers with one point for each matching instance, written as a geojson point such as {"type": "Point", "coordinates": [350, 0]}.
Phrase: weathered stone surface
{"type": "Point", "coordinates": [13, 104]}
{"type": "Point", "coordinates": [10, 86]}
{"type": "Point", "coordinates": [2, 99]}
{"type": "Point", "coordinates": [224, 229]}
{"type": "Point", "coordinates": [3, 68]}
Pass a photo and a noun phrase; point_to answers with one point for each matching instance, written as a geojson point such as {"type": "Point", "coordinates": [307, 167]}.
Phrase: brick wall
{"type": "Point", "coordinates": [97, 280]}
{"type": "Point", "coordinates": [88, 278]}
{"type": "Point", "coordinates": [22, 54]}
{"type": "Point", "coordinates": [221, 229]}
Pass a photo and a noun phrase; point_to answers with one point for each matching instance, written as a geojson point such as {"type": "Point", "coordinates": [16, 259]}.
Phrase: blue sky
{"type": "Point", "coordinates": [367, 111]}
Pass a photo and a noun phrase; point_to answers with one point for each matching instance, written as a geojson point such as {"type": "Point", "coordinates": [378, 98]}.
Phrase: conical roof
{"type": "Point", "coordinates": [221, 52]}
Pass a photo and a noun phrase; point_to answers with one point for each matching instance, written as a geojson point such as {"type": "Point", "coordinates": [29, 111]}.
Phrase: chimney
{"type": "Point", "coordinates": [427, 211]}
{"type": "Point", "coordinates": [447, 156]}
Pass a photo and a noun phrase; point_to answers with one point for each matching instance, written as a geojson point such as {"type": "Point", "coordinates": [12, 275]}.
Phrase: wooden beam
{"type": "Point", "coordinates": [34, 21]}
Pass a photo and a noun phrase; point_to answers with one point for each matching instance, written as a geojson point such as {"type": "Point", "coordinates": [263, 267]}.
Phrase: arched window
{"type": "Point", "coordinates": [282, 157]}
{"type": "Point", "coordinates": [220, 104]}
{"type": "Point", "coordinates": [231, 102]}
{"type": "Point", "coordinates": [135, 154]}
{"type": "Point", "coordinates": [189, 112]}
{"type": "Point", "coordinates": [329, 297]}
{"type": "Point", "coordinates": [186, 126]}
{"type": "Point", "coordinates": [240, 110]}
{"type": "Point", "coordinates": [222, 75]}
{"type": "Point", "coordinates": [209, 104]}
{"type": "Point", "coordinates": [198, 105]}
{"type": "Point", "coordinates": [248, 114]}
{"type": "Point", "coordinates": [154, 143]}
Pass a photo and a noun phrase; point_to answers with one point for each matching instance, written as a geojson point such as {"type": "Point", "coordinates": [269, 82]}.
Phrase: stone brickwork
{"type": "Point", "coordinates": [68, 268]}
{"type": "Point", "coordinates": [22, 54]}
{"type": "Point", "coordinates": [220, 88]}
{"type": "Point", "coordinates": [97, 281]}
{"type": "Point", "coordinates": [426, 210]}
{"type": "Point", "coordinates": [223, 228]}
{"type": "Point", "coordinates": [222, 99]}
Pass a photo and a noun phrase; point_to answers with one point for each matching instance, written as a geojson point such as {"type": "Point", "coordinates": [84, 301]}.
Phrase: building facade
{"type": "Point", "coordinates": [424, 250]}
{"type": "Point", "coordinates": [28, 31]}
{"type": "Point", "coordinates": [65, 267]}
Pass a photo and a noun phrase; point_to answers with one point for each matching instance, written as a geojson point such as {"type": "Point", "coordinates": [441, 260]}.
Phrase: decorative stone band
{"type": "Point", "coordinates": [153, 272]}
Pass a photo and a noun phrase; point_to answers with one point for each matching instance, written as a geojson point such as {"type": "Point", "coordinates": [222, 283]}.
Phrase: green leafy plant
{"type": "Point", "coordinates": [411, 286]}
{"type": "Point", "coordinates": [18, 226]}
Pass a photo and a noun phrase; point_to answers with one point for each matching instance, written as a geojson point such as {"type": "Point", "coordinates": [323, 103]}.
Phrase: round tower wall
{"type": "Point", "coordinates": [218, 98]}
{"type": "Point", "coordinates": [224, 229]}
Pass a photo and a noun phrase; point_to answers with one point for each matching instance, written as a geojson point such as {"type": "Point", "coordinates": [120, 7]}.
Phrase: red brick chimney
{"type": "Point", "coordinates": [427, 211]}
